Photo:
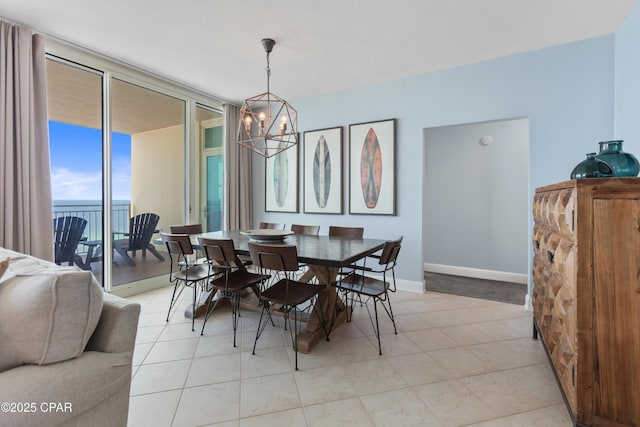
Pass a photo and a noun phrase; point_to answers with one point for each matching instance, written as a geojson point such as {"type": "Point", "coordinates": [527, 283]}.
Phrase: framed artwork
{"type": "Point", "coordinates": [322, 160]}
{"type": "Point", "coordinates": [281, 181]}
{"type": "Point", "coordinates": [372, 168]}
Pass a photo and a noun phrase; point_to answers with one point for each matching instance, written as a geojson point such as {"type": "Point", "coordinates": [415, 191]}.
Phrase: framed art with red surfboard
{"type": "Point", "coordinates": [372, 168]}
{"type": "Point", "coordinates": [281, 181]}
{"type": "Point", "coordinates": [322, 162]}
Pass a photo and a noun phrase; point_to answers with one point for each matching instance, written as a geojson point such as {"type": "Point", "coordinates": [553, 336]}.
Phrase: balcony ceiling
{"type": "Point", "coordinates": [322, 47]}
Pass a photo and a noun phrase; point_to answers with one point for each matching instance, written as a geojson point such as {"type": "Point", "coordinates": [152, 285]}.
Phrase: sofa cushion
{"type": "Point", "coordinates": [4, 265]}
{"type": "Point", "coordinates": [47, 312]}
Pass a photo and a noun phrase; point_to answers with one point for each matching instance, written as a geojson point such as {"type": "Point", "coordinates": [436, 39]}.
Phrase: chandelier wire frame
{"type": "Point", "coordinates": [268, 123]}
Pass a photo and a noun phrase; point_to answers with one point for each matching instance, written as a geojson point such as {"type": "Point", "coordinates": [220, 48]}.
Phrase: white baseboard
{"type": "Point", "coordinates": [477, 273]}
{"type": "Point", "coordinates": [410, 286]}
{"type": "Point", "coordinates": [528, 303]}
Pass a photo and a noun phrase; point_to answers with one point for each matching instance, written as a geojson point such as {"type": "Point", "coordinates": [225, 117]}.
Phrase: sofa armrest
{"type": "Point", "coordinates": [80, 385]}
{"type": "Point", "coordinates": [117, 328]}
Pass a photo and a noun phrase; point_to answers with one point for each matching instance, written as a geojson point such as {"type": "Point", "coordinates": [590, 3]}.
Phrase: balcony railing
{"type": "Point", "coordinates": [92, 212]}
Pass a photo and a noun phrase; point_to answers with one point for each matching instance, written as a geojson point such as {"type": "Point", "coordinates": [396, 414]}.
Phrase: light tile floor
{"type": "Point", "coordinates": [456, 361]}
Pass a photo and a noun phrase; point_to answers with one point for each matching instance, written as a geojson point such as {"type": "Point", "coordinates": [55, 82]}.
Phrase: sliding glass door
{"type": "Point", "coordinates": [75, 137]}
{"type": "Point", "coordinates": [147, 177]}
{"type": "Point", "coordinates": [210, 131]}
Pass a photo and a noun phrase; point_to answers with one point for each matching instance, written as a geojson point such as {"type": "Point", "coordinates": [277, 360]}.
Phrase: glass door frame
{"type": "Point", "coordinates": [204, 154]}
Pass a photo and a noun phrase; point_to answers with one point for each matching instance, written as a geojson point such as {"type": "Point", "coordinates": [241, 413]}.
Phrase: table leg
{"type": "Point", "coordinates": [201, 304]}
{"type": "Point", "coordinates": [250, 301]}
{"type": "Point", "coordinates": [328, 307]}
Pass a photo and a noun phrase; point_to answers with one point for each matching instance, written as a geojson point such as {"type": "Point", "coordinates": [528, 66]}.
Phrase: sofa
{"type": "Point", "coordinates": [66, 347]}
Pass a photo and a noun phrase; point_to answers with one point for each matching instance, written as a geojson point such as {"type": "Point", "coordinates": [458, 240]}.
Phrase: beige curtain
{"type": "Point", "coordinates": [239, 174]}
{"type": "Point", "coordinates": [25, 197]}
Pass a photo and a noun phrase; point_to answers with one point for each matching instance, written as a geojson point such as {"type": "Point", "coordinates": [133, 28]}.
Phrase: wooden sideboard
{"type": "Point", "coordinates": [586, 297]}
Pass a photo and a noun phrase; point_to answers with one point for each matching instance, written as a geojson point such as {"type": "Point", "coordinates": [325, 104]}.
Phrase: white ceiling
{"type": "Point", "coordinates": [322, 46]}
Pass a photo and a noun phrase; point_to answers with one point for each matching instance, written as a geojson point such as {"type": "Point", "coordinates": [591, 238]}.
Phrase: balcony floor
{"type": "Point", "coordinates": [145, 267]}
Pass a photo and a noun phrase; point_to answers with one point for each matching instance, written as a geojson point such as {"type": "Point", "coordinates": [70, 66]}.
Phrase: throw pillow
{"type": "Point", "coordinates": [47, 317]}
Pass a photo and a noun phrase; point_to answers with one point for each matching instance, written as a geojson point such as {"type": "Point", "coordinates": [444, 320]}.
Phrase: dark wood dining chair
{"type": "Point", "coordinates": [347, 232]}
{"type": "Point", "coordinates": [272, 225]}
{"type": "Point", "coordinates": [190, 229]}
{"type": "Point", "coordinates": [357, 284]}
{"type": "Point", "coordinates": [68, 231]}
{"type": "Point", "coordinates": [141, 230]}
{"type": "Point", "coordinates": [355, 233]}
{"type": "Point", "coordinates": [246, 259]}
{"type": "Point", "coordinates": [181, 273]}
{"type": "Point", "coordinates": [230, 278]}
{"type": "Point", "coordinates": [288, 294]}
{"type": "Point", "coordinates": [312, 230]}
{"type": "Point", "coordinates": [186, 229]}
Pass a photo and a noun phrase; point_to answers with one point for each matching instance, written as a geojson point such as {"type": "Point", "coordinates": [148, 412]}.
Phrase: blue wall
{"type": "Point", "coordinates": [567, 93]}
{"type": "Point", "coordinates": [627, 87]}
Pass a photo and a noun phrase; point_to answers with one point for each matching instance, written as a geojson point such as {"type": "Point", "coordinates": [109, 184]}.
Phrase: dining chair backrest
{"type": "Point", "coordinates": [390, 252]}
{"type": "Point", "coordinates": [141, 229]}
{"type": "Point", "coordinates": [274, 257]}
{"type": "Point", "coordinates": [177, 244]}
{"type": "Point", "coordinates": [67, 231]}
{"type": "Point", "coordinates": [348, 232]}
{"type": "Point", "coordinates": [186, 229]}
{"type": "Point", "coordinates": [220, 251]}
{"type": "Point", "coordinates": [272, 225]}
{"type": "Point", "coordinates": [313, 230]}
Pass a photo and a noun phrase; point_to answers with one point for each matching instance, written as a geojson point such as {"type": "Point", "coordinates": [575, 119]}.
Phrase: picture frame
{"type": "Point", "coordinates": [322, 166]}
{"type": "Point", "coordinates": [281, 181]}
{"type": "Point", "coordinates": [372, 168]}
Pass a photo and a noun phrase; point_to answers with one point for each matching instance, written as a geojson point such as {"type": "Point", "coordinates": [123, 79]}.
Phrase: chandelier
{"type": "Point", "coordinates": [268, 123]}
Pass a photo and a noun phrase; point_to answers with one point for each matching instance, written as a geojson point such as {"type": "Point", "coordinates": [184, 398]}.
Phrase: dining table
{"type": "Point", "coordinates": [324, 256]}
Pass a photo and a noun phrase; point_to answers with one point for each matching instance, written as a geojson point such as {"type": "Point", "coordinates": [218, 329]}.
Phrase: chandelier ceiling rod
{"type": "Point", "coordinates": [268, 45]}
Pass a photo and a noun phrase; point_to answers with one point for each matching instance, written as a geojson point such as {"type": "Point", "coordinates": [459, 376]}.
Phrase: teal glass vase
{"type": "Point", "coordinates": [591, 168]}
{"type": "Point", "coordinates": [623, 164]}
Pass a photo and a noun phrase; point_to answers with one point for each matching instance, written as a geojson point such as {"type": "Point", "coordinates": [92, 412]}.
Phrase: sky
{"type": "Point", "coordinates": [76, 163]}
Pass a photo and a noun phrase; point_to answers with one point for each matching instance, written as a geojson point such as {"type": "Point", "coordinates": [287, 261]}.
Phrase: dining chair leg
{"type": "Point", "coordinates": [327, 329]}
{"type": "Point", "coordinates": [295, 335]}
{"type": "Point", "coordinates": [260, 325]}
{"type": "Point", "coordinates": [258, 292]}
{"type": "Point", "coordinates": [210, 309]}
{"type": "Point", "coordinates": [235, 313]}
{"type": "Point", "coordinates": [353, 300]}
{"type": "Point", "coordinates": [174, 298]}
{"type": "Point", "coordinates": [390, 313]}
{"type": "Point", "coordinates": [193, 317]}
{"type": "Point", "coordinates": [377, 327]}
{"type": "Point", "coordinates": [270, 318]}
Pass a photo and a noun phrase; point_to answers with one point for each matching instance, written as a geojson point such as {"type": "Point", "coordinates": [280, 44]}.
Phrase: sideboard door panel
{"type": "Point", "coordinates": [616, 265]}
